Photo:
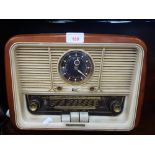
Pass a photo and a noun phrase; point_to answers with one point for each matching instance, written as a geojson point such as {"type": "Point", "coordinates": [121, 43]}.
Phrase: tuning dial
{"type": "Point", "coordinates": [115, 106]}
{"type": "Point", "coordinates": [34, 105]}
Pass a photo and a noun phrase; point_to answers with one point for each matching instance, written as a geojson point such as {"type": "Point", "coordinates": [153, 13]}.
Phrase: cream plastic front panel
{"type": "Point", "coordinates": [117, 71]}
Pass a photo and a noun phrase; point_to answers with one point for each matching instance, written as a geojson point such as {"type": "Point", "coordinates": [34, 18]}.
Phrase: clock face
{"type": "Point", "coordinates": [76, 67]}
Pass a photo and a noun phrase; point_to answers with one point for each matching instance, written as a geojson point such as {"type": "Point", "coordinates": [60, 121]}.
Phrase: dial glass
{"type": "Point", "coordinates": [76, 67]}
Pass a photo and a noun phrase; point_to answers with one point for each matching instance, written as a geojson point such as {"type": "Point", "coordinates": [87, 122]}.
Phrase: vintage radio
{"type": "Point", "coordinates": [75, 81]}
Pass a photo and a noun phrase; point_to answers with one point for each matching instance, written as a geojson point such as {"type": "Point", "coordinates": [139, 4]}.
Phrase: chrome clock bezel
{"type": "Point", "coordinates": [85, 79]}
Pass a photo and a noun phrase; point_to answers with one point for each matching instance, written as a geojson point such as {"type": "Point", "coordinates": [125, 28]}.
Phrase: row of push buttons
{"type": "Point", "coordinates": [75, 117]}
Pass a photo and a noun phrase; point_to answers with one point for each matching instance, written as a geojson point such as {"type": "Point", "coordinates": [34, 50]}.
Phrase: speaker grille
{"type": "Point", "coordinates": [114, 67]}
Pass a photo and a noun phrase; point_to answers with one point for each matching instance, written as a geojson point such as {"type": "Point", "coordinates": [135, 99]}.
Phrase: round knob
{"type": "Point", "coordinates": [116, 106]}
{"type": "Point", "coordinates": [34, 105]}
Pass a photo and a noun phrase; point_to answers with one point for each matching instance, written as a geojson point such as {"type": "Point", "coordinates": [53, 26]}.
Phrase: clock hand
{"type": "Point", "coordinates": [77, 63]}
{"type": "Point", "coordinates": [81, 72]}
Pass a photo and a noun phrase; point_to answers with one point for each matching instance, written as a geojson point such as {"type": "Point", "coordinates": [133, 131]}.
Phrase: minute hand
{"type": "Point", "coordinates": [81, 73]}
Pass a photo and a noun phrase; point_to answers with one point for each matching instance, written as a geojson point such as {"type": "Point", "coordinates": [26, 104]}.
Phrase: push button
{"type": "Point", "coordinates": [74, 116]}
{"type": "Point", "coordinates": [65, 118]}
{"type": "Point", "coordinates": [84, 117]}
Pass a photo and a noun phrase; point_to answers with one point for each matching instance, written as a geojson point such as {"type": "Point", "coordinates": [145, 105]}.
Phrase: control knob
{"type": "Point", "coordinates": [116, 106]}
{"type": "Point", "coordinates": [34, 105]}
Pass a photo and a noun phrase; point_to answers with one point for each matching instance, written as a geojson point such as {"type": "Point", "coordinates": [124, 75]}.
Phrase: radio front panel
{"type": "Point", "coordinates": [94, 85]}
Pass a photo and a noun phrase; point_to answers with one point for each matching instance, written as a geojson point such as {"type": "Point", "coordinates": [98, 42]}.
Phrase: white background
{"type": "Point", "coordinates": [114, 9]}
{"type": "Point", "coordinates": [77, 145]}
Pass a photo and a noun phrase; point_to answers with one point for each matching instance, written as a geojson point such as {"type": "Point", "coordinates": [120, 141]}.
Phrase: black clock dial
{"type": "Point", "coordinates": [76, 67]}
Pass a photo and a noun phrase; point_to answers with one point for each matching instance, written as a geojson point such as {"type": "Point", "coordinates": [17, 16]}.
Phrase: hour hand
{"type": "Point", "coordinates": [81, 72]}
